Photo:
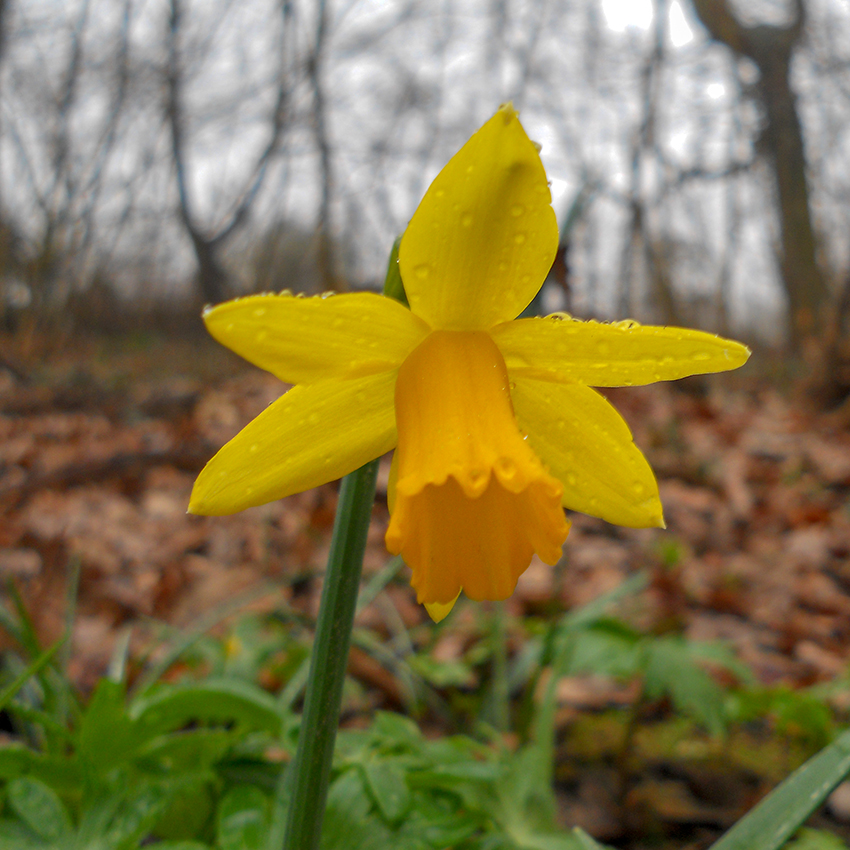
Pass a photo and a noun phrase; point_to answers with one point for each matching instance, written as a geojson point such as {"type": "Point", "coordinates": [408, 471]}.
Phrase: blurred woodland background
{"type": "Point", "coordinates": [155, 152]}
{"type": "Point", "coordinates": [157, 155]}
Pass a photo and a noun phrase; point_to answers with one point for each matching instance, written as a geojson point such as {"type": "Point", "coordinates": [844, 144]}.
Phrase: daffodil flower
{"type": "Point", "coordinates": [494, 422]}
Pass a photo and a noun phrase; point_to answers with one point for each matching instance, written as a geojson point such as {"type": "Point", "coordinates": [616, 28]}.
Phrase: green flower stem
{"type": "Point", "coordinates": [329, 660]}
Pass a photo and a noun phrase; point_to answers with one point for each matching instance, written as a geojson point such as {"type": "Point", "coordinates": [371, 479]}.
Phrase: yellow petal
{"type": "Point", "coordinates": [311, 435]}
{"type": "Point", "coordinates": [472, 501]}
{"type": "Point", "coordinates": [303, 340]}
{"type": "Point", "coordinates": [586, 445]}
{"type": "Point", "coordinates": [560, 348]}
{"type": "Point", "coordinates": [484, 237]}
{"type": "Point", "coordinates": [437, 611]}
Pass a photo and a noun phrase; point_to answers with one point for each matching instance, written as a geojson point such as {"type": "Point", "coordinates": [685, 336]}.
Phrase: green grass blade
{"type": "Point", "coordinates": [782, 812]}
{"type": "Point", "coordinates": [183, 640]}
{"type": "Point", "coordinates": [379, 581]}
{"type": "Point", "coordinates": [25, 630]}
{"type": "Point", "coordinates": [36, 667]}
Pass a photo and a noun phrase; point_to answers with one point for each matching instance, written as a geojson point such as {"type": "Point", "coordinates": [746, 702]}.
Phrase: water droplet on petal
{"type": "Point", "coordinates": [517, 210]}
{"type": "Point", "coordinates": [439, 193]}
{"type": "Point", "coordinates": [261, 336]}
{"type": "Point", "coordinates": [519, 238]}
{"type": "Point", "coordinates": [466, 219]}
{"type": "Point", "coordinates": [259, 312]}
{"type": "Point", "coordinates": [422, 271]}
{"type": "Point", "coordinates": [255, 447]}
{"type": "Point", "coordinates": [701, 355]}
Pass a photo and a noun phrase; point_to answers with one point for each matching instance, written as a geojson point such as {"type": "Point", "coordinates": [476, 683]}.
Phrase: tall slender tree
{"type": "Point", "coordinates": [771, 48]}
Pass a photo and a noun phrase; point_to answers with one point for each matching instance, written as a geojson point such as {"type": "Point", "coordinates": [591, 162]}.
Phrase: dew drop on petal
{"type": "Point", "coordinates": [466, 219]}
{"type": "Point", "coordinates": [262, 336]}
{"type": "Point", "coordinates": [701, 355]}
{"type": "Point", "coordinates": [254, 448]}
{"type": "Point", "coordinates": [422, 271]}
{"type": "Point", "coordinates": [519, 238]}
{"type": "Point", "coordinates": [259, 312]}
{"type": "Point", "coordinates": [517, 210]}
{"type": "Point", "coordinates": [571, 479]}
{"type": "Point", "coordinates": [440, 193]}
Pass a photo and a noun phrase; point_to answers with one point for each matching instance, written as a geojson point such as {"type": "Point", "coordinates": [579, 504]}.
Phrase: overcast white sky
{"type": "Point", "coordinates": [407, 82]}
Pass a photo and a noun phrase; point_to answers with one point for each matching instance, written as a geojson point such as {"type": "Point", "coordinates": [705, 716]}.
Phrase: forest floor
{"type": "Point", "coordinates": [100, 441]}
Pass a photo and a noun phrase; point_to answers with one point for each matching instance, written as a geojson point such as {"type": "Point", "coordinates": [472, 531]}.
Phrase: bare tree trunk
{"type": "Point", "coordinates": [212, 275]}
{"type": "Point", "coordinates": [640, 248]}
{"type": "Point", "coordinates": [212, 279]}
{"type": "Point", "coordinates": [771, 49]}
{"type": "Point", "coordinates": [326, 254]}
